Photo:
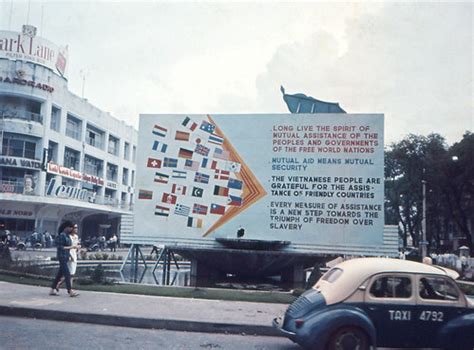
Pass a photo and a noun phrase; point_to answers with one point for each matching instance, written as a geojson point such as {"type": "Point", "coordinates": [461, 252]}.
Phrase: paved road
{"type": "Point", "coordinates": [23, 333]}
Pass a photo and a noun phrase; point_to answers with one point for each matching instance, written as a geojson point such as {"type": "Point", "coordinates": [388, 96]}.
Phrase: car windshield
{"type": "Point", "coordinates": [332, 275]}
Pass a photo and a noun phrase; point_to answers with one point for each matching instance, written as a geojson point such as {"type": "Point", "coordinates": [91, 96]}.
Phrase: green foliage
{"type": "Point", "coordinates": [5, 256]}
{"type": "Point", "coordinates": [449, 187]}
{"type": "Point", "coordinates": [98, 274]}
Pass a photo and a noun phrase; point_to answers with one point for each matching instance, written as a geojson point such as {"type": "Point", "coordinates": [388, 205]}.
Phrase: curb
{"type": "Point", "coordinates": [140, 322]}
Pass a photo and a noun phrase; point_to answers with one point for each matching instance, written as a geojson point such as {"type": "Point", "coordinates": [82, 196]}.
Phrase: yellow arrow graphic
{"type": "Point", "coordinates": [252, 189]}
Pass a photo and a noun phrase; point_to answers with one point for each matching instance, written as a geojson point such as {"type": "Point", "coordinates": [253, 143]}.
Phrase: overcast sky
{"type": "Point", "coordinates": [411, 61]}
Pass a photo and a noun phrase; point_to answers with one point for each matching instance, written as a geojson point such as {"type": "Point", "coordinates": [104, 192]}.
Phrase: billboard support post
{"type": "Point", "coordinates": [132, 257]}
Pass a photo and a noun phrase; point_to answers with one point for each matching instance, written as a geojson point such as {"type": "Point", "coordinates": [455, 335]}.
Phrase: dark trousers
{"type": "Point", "coordinates": [63, 271]}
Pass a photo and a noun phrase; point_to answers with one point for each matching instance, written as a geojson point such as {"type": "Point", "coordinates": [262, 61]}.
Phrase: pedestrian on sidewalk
{"type": "Point", "coordinates": [64, 245]}
{"type": "Point", "coordinates": [72, 263]}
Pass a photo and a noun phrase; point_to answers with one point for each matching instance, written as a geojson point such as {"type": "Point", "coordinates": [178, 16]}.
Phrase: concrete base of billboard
{"type": "Point", "coordinates": [210, 264]}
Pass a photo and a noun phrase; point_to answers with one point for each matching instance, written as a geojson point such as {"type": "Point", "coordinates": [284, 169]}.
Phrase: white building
{"type": "Point", "coordinates": [61, 157]}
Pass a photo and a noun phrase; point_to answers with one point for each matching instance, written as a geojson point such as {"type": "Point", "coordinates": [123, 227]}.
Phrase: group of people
{"type": "Point", "coordinates": [67, 245]}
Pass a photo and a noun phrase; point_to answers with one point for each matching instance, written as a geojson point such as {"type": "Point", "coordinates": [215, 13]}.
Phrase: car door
{"type": "Point", "coordinates": [389, 301]}
{"type": "Point", "coordinates": [439, 300]}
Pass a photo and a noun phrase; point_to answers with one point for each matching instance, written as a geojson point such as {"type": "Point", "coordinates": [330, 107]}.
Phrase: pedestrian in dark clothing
{"type": "Point", "coordinates": [64, 245]}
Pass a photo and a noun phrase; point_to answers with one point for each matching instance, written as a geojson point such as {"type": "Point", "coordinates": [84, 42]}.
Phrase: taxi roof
{"type": "Point", "coordinates": [356, 271]}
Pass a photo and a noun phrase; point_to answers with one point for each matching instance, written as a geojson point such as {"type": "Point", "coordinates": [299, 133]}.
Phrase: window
{"type": "Point", "coordinates": [391, 287]}
{"type": "Point", "coordinates": [125, 177]}
{"type": "Point", "coordinates": [71, 158]}
{"type": "Point", "coordinates": [73, 127]}
{"type": "Point", "coordinates": [52, 152]}
{"type": "Point", "coordinates": [433, 288]}
{"type": "Point", "coordinates": [93, 166]}
{"type": "Point", "coordinates": [134, 153]}
{"type": "Point", "coordinates": [55, 119]}
{"type": "Point", "coordinates": [332, 275]}
{"type": "Point", "coordinates": [94, 137]}
{"type": "Point", "coordinates": [126, 151]}
{"type": "Point", "coordinates": [112, 172]}
{"type": "Point", "coordinates": [132, 182]}
{"type": "Point", "coordinates": [18, 146]}
{"type": "Point", "coordinates": [113, 145]}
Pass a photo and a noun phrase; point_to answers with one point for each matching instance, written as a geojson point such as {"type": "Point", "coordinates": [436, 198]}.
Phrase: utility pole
{"type": "Point", "coordinates": [423, 242]}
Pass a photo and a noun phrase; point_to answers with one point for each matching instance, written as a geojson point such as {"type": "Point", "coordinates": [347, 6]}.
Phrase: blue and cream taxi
{"type": "Point", "coordinates": [379, 302]}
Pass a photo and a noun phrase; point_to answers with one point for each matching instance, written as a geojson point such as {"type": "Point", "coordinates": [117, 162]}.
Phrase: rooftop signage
{"type": "Point", "coordinates": [26, 46]}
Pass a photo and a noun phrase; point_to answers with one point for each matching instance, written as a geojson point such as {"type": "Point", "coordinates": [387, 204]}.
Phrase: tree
{"type": "Point", "coordinates": [449, 176]}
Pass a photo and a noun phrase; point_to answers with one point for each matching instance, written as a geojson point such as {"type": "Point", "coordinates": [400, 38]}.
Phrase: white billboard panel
{"type": "Point", "coordinates": [311, 179]}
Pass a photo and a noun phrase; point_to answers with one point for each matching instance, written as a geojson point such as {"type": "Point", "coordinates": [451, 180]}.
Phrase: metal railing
{"type": "Point", "coordinates": [23, 115]}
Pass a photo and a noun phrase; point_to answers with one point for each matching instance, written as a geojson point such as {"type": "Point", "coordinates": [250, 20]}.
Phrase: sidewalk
{"type": "Point", "coordinates": [139, 311]}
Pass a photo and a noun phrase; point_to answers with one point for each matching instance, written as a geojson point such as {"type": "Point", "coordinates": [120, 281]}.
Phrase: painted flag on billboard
{"type": "Point", "coordinates": [204, 162]}
{"type": "Point", "coordinates": [217, 209]}
{"type": "Point", "coordinates": [196, 139]}
{"type": "Point", "coordinates": [219, 153]}
{"type": "Point", "coordinates": [202, 150]}
{"type": "Point", "coordinates": [179, 174]}
{"type": "Point", "coordinates": [194, 222]}
{"type": "Point", "coordinates": [153, 163]}
{"type": "Point", "coordinates": [233, 166]}
{"type": "Point", "coordinates": [187, 122]}
{"type": "Point", "coordinates": [207, 127]}
{"type": "Point", "coordinates": [159, 130]}
{"type": "Point", "coordinates": [161, 178]}
{"type": "Point", "coordinates": [222, 175]}
{"type": "Point", "coordinates": [221, 191]}
{"type": "Point", "coordinates": [159, 146]}
{"type": "Point", "coordinates": [216, 139]}
{"type": "Point", "coordinates": [178, 189]}
{"type": "Point", "coordinates": [185, 153]}
{"type": "Point", "coordinates": [170, 163]}
{"type": "Point", "coordinates": [197, 192]}
{"type": "Point", "coordinates": [182, 136]}
{"type": "Point", "coordinates": [234, 201]}
{"type": "Point", "coordinates": [169, 198]}
{"type": "Point", "coordinates": [235, 184]}
{"type": "Point", "coordinates": [145, 194]}
{"type": "Point", "coordinates": [181, 210]}
{"type": "Point", "coordinates": [202, 178]}
{"type": "Point", "coordinates": [162, 211]}
{"type": "Point", "coordinates": [200, 209]}
{"type": "Point", "coordinates": [191, 165]}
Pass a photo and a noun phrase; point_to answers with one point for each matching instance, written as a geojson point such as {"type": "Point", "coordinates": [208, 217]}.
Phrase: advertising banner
{"type": "Point", "coordinates": [304, 178]}
{"type": "Point", "coordinates": [20, 46]}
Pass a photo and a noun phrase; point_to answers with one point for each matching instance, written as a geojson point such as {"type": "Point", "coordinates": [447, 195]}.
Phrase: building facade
{"type": "Point", "coordinates": [61, 157]}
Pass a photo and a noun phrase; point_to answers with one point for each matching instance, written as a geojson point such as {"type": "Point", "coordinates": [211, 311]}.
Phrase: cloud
{"type": "Point", "coordinates": [411, 62]}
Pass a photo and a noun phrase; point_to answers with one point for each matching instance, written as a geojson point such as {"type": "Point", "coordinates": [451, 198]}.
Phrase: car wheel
{"type": "Point", "coordinates": [349, 338]}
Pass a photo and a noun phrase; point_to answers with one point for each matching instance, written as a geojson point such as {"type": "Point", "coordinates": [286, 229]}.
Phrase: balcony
{"type": "Point", "coordinates": [23, 115]}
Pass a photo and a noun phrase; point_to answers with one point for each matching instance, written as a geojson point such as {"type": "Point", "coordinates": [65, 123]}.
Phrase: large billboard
{"type": "Point", "coordinates": [310, 179]}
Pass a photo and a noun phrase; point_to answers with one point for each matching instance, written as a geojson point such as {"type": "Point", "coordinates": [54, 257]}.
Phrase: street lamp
{"type": "Point", "coordinates": [423, 242]}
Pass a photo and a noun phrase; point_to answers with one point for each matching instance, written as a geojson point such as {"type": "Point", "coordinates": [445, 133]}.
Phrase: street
{"type": "Point", "coordinates": [22, 333]}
